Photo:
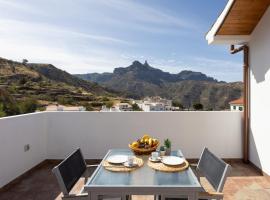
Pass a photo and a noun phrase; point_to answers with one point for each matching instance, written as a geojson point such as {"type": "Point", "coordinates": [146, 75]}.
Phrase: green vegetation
{"type": "Point", "coordinates": [28, 106]}
{"type": "Point", "coordinates": [198, 106]}
{"type": "Point", "coordinates": [105, 99]}
{"type": "Point", "coordinates": [96, 104]}
{"type": "Point", "coordinates": [64, 100]}
{"type": "Point", "coordinates": [9, 106]}
{"type": "Point", "coordinates": [167, 143]}
{"type": "Point", "coordinates": [162, 148]}
{"type": "Point", "coordinates": [27, 87]}
{"type": "Point", "coordinates": [135, 107]}
{"type": "Point", "coordinates": [109, 104]}
{"type": "Point", "coordinates": [2, 113]}
{"type": "Point", "coordinates": [176, 103]}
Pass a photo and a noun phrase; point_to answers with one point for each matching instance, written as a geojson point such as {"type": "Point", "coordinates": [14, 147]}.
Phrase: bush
{"type": "Point", "coordinates": [198, 106]}
{"type": "Point", "coordinates": [96, 104]}
{"type": "Point", "coordinates": [109, 104]}
{"type": "Point", "coordinates": [177, 104]}
{"type": "Point", "coordinates": [65, 100]}
{"type": "Point", "coordinates": [2, 112]}
{"type": "Point", "coordinates": [135, 107]}
{"type": "Point", "coordinates": [11, 109]}
{"type": "Point", "coordinates": [88, 107]}
{"type": "Point", "coordinates": [105, 99]}
{"type": "Point", "coordinates": [28, 106]}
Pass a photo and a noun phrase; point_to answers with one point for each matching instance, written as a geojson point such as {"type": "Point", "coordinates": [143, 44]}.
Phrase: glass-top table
{"type": "Point", "coordinates": [142, 181]}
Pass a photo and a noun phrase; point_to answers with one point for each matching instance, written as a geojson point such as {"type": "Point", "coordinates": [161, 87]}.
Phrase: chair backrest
{"type": "Point", "coordinates": [69, 171]}
{"type": "Point", "coordinates": [214, 169]}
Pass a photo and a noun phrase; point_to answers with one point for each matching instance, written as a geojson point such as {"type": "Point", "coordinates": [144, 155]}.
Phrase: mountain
{"type": "Point", "coordinates": [144, 72]}
{"type": "Point", "coordinates": [140, 80]}
{"type": "Point", "coordinates": [51, 72]}
{"type": "Point", "coordinates": [46, 82]}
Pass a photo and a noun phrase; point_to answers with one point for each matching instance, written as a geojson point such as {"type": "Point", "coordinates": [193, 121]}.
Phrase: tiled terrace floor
{"type": "Point", "coordinates": [244, 183]}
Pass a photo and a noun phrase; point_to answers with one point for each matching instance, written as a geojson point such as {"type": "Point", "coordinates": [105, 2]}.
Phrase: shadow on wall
{"type": "Point", "coordinates": [259, 72]}
{"type": "Point", "coordinates": [253, 151]}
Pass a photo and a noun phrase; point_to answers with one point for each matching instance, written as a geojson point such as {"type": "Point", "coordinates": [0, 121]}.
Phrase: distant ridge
{"type": "Point", "coordinates": [140, 80]}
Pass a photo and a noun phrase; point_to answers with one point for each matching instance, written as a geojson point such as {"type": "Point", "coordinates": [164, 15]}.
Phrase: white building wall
{"type": "Point", "coordinates": [260, 94]}
{"type": "Point", "coordinates": [15, 132]}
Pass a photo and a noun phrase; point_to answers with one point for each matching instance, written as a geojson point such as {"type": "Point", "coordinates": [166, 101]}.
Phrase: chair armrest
{"type": "Point", "coordinates": [193, 164]}
{"type": "Point", "coordinates": [90, 166]}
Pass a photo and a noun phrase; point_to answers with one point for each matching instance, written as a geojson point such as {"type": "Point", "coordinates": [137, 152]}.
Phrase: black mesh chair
{"type": "Point", "coordinates": [69, 171]}
{"type": "Point", "coordinates": [214, 172]}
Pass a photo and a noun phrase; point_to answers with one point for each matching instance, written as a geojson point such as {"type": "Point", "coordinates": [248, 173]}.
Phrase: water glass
{"type": "Point", "coordinates": [154, 155]}
{"type": "Point", "coordinates": [179, 153]}
{"type": "Point", "coordinates": [130, 160]}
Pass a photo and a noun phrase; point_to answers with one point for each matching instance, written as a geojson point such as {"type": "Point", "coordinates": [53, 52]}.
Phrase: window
{"type": "Point", "coordinates": [240, 108]}
{"type": "Point", "coordinates": [234, 107]}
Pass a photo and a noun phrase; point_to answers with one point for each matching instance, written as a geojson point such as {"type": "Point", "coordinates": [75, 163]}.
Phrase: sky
{"type": "Point", "coordinates": [86, 36]}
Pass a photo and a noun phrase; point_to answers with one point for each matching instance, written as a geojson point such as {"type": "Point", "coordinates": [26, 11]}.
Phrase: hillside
{"type": "Point", "coordinates": [140, 80]}
{"type": "Point", "coordinates": [51, 72]}
{"type": "Point", "coordinates": [46, 83]}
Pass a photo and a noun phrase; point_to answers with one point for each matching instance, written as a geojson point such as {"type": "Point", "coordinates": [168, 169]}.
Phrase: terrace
{"type": "Point", "coordinates": [52, 135]}
{"type": "Point", "coordinates": [32, 144]}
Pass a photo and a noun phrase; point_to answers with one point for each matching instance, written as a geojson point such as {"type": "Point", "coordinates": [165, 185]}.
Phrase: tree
{"type": "Point", "coordinates": [198, 106]}
{"type": "Point", "coordinates": [105, 99]}
{"type": "Point", "coordinates": [24, 61]}
{"type": "Point", "coordinates": [96, 104]}
{"type": "Point", "coordinates": [88, 106]}
{"type": "Point", "coordinates": [176, 103]}
{"type": "Point", "coordinates": [29, 105]}
{"type": "Point", "coordinates": [109, 104]}
{"type": "Point", "coordinates": [65, 100]}
{"type": "Point", "coordinates": [2, 112]}
{"type": "Point", "coordinates": [135, 107]}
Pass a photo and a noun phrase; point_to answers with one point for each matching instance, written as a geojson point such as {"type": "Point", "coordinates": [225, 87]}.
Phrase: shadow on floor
{"type": "Point", "coordinates": [244, 183]}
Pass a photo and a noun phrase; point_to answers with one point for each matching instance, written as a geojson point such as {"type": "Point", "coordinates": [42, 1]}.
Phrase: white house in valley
{"type": "Point", "coordinates": [245, 24]}
{"type": "Point", "coordinates": [237, 105]}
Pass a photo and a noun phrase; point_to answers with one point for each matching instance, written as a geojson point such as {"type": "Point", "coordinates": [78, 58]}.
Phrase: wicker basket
{"type": "Point", "coordinates": [143, 151]}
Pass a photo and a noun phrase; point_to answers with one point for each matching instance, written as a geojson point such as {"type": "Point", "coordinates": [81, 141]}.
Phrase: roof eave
{"type": "Point", "coordinates": [229, 39]}
{"type": "Point", "coordinates": [213, 38]}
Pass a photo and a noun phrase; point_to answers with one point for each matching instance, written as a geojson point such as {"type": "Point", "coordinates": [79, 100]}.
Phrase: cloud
{"type": "Point", "coordinates": [98, 35]}
{"type": "Point", "coordinates": [218, 68]}
{"type": "Point", "coordinates": [13, 28]}
{"type": "Point", "coordinates": [146, 14]}
{"type": "Point", "coordinates": [75, 52]}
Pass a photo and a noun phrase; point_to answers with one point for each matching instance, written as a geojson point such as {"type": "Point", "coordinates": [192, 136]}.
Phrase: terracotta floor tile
{"type": "Point", "coordinates": [244, 183]}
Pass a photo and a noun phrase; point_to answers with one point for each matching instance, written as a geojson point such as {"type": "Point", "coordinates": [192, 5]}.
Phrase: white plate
{"type": "Point", "coordinates": [172, 160]}
{"type": "Point", "coordinates": [157, 160]}
{"type": "Point", "coordinates": [117, 159]}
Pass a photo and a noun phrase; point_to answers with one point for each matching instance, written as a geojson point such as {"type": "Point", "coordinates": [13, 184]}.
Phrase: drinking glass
{"type": "Point", "coordinates": [154, 155]}
{"type": "Point", "coordinates": [130, 160]}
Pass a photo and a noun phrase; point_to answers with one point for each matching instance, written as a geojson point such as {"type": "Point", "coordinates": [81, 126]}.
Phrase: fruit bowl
{"type": "Point", "coordinates": [142, 151]}
{"type": "Point", "coordinates": [144, 146]}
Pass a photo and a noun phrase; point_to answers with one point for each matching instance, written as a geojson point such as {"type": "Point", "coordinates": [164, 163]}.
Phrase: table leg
{"type": "Point", "coordinates": [93, 196]}
{"type": "Point", "coordinates": [192, 196]}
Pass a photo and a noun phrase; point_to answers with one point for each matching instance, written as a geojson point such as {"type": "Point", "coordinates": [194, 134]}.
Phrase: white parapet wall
{"type": "Point", "coordinates": [96, 132]}
{"type": "Point", "coordinates": [15, 133]}
{"type": "Point", "coordinates": [53, 135]}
